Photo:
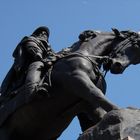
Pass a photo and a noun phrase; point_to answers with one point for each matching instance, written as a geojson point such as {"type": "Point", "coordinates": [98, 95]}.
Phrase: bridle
{"type": "Point", "coordinates": [128, 37]}
{"type": "Point", "coordinates": [124, 43]}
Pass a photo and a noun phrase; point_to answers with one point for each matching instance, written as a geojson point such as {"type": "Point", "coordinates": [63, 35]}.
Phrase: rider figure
{"type": "Point", "coordinates": [29, 67]}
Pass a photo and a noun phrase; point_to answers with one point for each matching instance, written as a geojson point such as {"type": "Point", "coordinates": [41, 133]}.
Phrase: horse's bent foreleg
{"type": "Point", "coordinates": [81, 85]}
{"type": "Point", "coordinates": [90, 118]}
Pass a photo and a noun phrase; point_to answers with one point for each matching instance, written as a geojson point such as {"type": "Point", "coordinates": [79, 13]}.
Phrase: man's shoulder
{"type": "Point", "coordinates": [28, 38]}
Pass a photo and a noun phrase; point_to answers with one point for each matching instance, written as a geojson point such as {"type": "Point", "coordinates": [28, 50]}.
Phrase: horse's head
{"type": "Point", "coordinates": [125, 52]}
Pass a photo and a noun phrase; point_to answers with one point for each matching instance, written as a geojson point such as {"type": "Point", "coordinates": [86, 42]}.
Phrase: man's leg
{"type": "Point", "coordinates": [34, 76]}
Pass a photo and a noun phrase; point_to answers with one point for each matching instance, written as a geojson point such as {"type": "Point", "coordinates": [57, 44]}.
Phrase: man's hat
{"type": "Point", "coordinates": [40, 29]}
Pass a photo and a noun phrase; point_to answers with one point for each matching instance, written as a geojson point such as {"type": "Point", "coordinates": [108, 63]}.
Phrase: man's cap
{"type": "Point", "coordinates": [40, 29]}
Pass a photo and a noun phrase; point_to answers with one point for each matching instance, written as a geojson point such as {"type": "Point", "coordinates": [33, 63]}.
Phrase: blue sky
{"type": "Point", "coordinates": [66, 19]}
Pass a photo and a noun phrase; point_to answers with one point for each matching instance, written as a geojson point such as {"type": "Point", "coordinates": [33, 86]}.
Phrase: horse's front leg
{"type": "Point", "coordinates": [81, 85]}
{"type": "Point", "coordinates": [90, 117]}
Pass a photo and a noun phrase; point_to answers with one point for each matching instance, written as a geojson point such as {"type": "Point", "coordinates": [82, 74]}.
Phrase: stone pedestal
{"type": "Point", "coordinates": [123, 124]}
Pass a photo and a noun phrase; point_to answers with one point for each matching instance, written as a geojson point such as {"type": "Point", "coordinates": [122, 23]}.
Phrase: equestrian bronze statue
{"type": "Point", "coordinates": [76, 87]}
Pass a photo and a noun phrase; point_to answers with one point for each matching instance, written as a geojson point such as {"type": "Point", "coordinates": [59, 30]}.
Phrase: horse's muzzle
{"type": "Point", "coordinates": [117, 68]}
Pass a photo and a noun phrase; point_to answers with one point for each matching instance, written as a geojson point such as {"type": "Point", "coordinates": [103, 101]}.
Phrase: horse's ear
{"type": "Point", "coordinates": [117, 33]}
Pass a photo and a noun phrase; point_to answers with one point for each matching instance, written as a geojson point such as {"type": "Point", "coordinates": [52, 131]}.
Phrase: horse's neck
{"type": "Point", "coordinates": [99, 46]}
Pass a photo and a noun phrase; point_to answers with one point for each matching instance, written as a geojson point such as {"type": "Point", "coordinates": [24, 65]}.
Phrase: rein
{"type": "Point", "coordinates": [104, 59]}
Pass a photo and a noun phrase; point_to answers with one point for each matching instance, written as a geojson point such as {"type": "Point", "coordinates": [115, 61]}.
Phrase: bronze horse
{"type": "Point", "coordinates": [78, 87]}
